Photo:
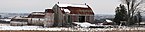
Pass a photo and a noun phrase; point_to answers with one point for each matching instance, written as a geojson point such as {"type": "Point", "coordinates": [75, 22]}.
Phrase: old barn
{"type": "Point", "coordinates": [68, 13]}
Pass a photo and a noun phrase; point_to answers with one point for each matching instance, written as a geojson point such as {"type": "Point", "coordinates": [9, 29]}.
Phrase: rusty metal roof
{"type": "Point", "coordinates": [79, 10]}
{"type": "Point", "coordinates": [49, 11]}
{"type": "Point", "coordinates": [76, 9]}
{"type": "Point", "coordinates": [37, 15]}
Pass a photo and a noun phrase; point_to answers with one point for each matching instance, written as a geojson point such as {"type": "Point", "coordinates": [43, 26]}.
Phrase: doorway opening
{"type": "Point", "coordinates": [81, 18]}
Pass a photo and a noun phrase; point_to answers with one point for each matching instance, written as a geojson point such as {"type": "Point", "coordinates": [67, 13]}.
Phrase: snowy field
{"type": "Point", "coordinates": [7, 27]}
{"type": "Point", "coordinates": [68, 29]}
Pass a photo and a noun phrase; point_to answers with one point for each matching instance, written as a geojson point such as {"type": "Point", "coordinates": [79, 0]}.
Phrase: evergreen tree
{"type": "Point", "coordinates": [121, 14]}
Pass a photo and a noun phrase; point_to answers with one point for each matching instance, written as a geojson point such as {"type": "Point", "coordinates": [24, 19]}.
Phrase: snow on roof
{"type": "Point", "coordinates": [66, 10]}
{"type": "Point", "coordinates": [38, 13]}
{"type": "Point", "coordinates": [73, 5]}
{"type": "Point", "coordinates": [108, 20]}
{"type": "Point", "coordinates": [48, 8]}
{"type": "Point", "coordinates": [6, 19]}
{"type": "Point", "coordinates": [18, 17]}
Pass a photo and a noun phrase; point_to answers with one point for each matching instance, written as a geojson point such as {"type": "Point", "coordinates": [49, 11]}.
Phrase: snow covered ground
{"type": "Point", "coordinates": [29, 28]}
{"type": "Point", "coordinates": [64, 29]}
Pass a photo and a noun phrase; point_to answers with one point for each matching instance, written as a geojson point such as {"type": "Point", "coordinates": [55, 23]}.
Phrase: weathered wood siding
{"type": "Point", "coordinates": [49, 19]}
{"type": "Point", "coordinates": [58, 16]}
{"type": "Point", "coordinates": [36, 21]}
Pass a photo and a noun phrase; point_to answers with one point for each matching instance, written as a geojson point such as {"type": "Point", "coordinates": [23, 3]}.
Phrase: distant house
{"type": "Point", "coordinates": [68, 13]}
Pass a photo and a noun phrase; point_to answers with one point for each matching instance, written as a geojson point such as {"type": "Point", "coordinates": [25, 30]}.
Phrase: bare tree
{"type": "Point", "coordinates": [133, 6]}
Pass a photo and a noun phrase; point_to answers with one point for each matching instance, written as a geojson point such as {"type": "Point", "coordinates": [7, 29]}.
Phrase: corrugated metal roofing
{"type": "Point", "coordinates": [79, 10]}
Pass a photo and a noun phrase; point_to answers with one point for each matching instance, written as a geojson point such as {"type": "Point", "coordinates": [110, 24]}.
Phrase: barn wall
{"type": "Point", "coordinates": [88, 18]}
{"type": "Point", "coordinates": [49, 19]}
{"type": "Point", "coordinates": [17, 23]}
{"type": "Point", "coordinates": [58, 16]}
{"type": "Point", "coordinates": [36, 21]}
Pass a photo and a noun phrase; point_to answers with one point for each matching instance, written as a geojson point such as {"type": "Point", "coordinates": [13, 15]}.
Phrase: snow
{"type": "Point", "coordinates": [18, 27]}
{"type": "Point", "coordinates": [18, 17]}
{"type": "Point", "coordinates": [142, 22]}
{"type": "Point", "coordinates": [85, 24]}
{"type": "Point", "coordinates": [73, 5]}
{"type": "Point", "coordinates": [65, 29]}
{"type": "Point", "coordinates": [5, 19]}
{"type": "Point", "coordinates": [38, 13]}
{"type": "Point", "coordinates": [108, 20]}
{"type": "Point", "coordinates": [29, 28]}
{"type": "Point", "coordinates": [66, 10]}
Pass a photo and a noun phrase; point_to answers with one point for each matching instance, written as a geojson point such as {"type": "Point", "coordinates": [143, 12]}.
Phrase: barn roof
{"type": "Point", "coordinates": [49, 11]}
{"type": "Point", "coordinates": [76, 9]}
{"type": "Point", "coordinates": [37, 15]}
{"type": "Point", "coordinates": [73, 5]}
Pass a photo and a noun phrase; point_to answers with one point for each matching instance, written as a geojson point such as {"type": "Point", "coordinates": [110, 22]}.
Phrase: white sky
{"type": "Point", "coordinates": [27, 6]}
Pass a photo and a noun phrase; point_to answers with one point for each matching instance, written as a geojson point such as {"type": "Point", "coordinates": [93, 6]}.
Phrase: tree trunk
{"type": "Point", "coordinates": [128, 16]}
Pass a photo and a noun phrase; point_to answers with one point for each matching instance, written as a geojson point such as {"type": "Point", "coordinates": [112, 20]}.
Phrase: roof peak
{"type": "Point", "coordinates": [73, 5]}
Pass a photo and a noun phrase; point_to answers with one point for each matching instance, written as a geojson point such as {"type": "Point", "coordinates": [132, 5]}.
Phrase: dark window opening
{"type": "Point", "coordinates": [81, 18]}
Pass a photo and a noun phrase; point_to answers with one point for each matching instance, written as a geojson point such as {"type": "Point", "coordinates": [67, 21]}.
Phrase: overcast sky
{"type": "Point", "coordinates": [27, 6]}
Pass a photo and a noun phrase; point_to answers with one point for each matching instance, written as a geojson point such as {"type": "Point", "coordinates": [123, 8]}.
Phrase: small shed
{"type": "Point", "coordinates": [19, 21]}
